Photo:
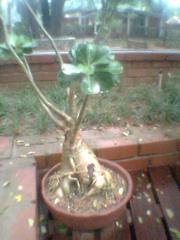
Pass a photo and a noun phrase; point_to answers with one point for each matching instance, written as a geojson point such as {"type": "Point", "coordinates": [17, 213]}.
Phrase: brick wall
{"type": "Point", "coordinates": [139, 67]}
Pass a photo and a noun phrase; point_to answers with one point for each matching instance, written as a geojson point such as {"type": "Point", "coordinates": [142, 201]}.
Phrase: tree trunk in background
{"type": "Point", "coordinates": [1, 33]}
{"type": "Point", "coordinates": [27, 19]}
{"type": "Point", "coordinates": [46, 14]}
{"type": "Point", "coordinates": [56, 17]}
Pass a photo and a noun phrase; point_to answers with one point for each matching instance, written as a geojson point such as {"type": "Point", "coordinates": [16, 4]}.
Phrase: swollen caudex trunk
{"type": "Point", "coordinates": [80, 171]}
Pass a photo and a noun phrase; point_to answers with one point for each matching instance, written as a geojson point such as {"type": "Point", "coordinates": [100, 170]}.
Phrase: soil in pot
{"type": "Point", "coordinates": [81, 203]}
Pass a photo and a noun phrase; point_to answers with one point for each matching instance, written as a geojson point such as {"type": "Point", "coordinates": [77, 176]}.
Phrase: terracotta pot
{"type": "Point", "coordinates": [94, 220]}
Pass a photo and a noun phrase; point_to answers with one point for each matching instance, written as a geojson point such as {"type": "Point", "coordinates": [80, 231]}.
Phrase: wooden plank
{"type": "Point", "coordinates": [117, 230]}
{"type": "Point", "coordinates": [145, 211]}
{"type": "Point", "coordinates": [169, 197]}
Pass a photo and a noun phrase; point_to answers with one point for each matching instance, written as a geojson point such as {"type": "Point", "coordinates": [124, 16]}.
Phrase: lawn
{"type": "Point", "coordinates": [21, 113]}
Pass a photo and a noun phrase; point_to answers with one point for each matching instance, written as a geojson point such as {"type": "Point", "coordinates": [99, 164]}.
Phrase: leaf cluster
{"type": "Point", "coordinates": [94, 66]}
{"type": "Point", "coordinates": [21, 44]}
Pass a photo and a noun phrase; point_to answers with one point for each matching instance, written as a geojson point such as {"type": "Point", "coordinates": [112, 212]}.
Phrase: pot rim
{"type": "Point", "coordinates": [102, 212]}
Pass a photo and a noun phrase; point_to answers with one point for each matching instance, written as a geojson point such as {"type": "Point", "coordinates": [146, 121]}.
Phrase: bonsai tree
{"type": "Point", "coordinates": [92, 70]}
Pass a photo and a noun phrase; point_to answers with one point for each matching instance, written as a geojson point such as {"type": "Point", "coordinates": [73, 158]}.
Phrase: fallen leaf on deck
{"type": "Point", "coordinates": [176, 233]}
{"type": "Point", "coordinates": [148, 212]}
{"type": "Point", "coordinates": [18, 198]}
{"type": "Point", "coordinates": [20, 187]}
{"type": "Point", "coordinates": [170, 213]}
{"type": "Point", "coordinates": [2, 210]}
{"type": "Point", "coordinates": [30, 222]}
{"type": "Point", "coordinates": [5, 184]}
{"type": "Point", "coordinates": [19, 142]}
{"type": "Point", "coordinates": [27, 144]}
{"type": "Point", "coordinates": [43, 230]}
{"type": "Point", "coordinates": [31, 153]}
{"type": "Point", "coordinates": [140, 220]}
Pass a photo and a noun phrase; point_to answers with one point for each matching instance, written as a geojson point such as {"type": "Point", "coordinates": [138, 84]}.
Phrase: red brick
{"type": "Point", "coordinates": [173, 57]}
{"type": "Point", "coordinates": [163, 64]}
{"type": "Point", "coordinates": [20, 228]}
{"type": "Point", "coordinates": [178, 144]}
{"type": "Point", "coordinates": [41, 162]}
{"type": "Point", "coordinates": [49, 67]}
{"type": "Point", "coordinates": [116, 150]}
{"type": "Point", "coordinates": [140, 65]}
{"type": "Point", "coordinates": [143, 72]}
{"type": "Point", "coordinates": [53, 159]}
{"type": "Point", "coordinates": [5, 147]}
{"type": "Point", "coordinates": [41, 58]}
{"type": "Point", "coordinates": [49, 161]}
{"type": "Point", "coordinates": [45, 76]}
{"type": "Point", "coordinates": [13, 77]}
{"type": "Point", "coordinates": [26, 177]}
{"type": "Point", "coordinates": [37, 150]}
{"type": "Point", "coordinates": [37, 139]}
{"type": "Point", "coordinates": [7, 69]}
{"type": "Point", "coordinates": [135, 164]}
{"type": "Point", "coordinates": [158, 147]}
{"type": "Point", "coordinates": [164, 160]}
{"type": "Point", "coordinates": [14, 219]}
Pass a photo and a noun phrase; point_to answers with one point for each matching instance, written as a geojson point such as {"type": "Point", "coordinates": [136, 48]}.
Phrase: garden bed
{"type": "Point", "coordinates": [21, 113]}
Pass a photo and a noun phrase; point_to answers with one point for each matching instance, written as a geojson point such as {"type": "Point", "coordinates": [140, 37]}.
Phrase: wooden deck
{"type": "Point", "coordinates": [153, 213]}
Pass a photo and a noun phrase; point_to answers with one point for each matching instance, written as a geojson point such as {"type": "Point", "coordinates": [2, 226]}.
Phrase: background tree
{"type": "Point", "coordinates": [56, 17]}
{"type": "Point", "coordinates": [108, 10]}
{"type": "Point", "coordinates": [28, 21]}
{"type": "Point", "coordinates": [46, 18]}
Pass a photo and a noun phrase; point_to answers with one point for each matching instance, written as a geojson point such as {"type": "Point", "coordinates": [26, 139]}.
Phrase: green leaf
{"type": "Point", "coordinates": [86, 69]}
{"type": "Point", "coordinates": [69, 74]}
{"type": "Point", "coordinates": [114, 67]}
{"type": "Point", "coordinates": [94, 65]}
{"type": "Point", "coordinates": [67, 80]}
{"type": "Point", "coordinates": [103, 55]}
{"type": "Point", "coordinates": [70, 69]}
{"type": "Point", "coordinates": [21, 44]}
{"type": "Point", "coordinates": [90, 86]}
{"type": "Point", "coordinates": [176, 233]}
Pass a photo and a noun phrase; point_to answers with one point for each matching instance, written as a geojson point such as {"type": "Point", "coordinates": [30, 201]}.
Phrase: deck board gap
{"type": "Point", "coordinates": [97, 234]}
{"type": "Point", "coordinates": [153, 188]}
{"type": "Point", "coordinates": [166, 228]}
{"type": "Point", "coordinates": [132, 231]}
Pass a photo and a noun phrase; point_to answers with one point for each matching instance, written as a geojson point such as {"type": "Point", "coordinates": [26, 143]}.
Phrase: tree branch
{"type": "Point", "coordinates": [26, 69]}
{"type": "Point", "coordinates": [53, 118]}
{"type": "Point", "coordinates": [79, 119]}
{"type": "Point", "coordinates": [60, 114]}
{"type": "Point", "coordinates": [71, 100]}
{"type": "Point", "coordinates": [59, 58]}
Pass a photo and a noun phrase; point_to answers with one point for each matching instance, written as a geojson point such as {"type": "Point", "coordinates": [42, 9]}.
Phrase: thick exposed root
{"type": "Point", "coordinates": [80, 172]}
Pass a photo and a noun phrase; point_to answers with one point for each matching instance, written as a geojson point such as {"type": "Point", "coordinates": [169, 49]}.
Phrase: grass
{"type": "Point", "coordinates": [21, 113]}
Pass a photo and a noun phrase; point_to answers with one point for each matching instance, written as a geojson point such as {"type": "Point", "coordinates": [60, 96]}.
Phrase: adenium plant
{"type": "Point", "coordinates": [92, 69]}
